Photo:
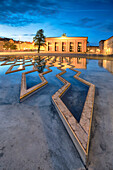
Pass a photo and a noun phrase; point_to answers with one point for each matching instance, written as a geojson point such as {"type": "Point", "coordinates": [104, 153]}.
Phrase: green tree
{"type": "Point", "coordinates": [6, 45]}
{"type": "Point", "coordinates": [39, 39]}
{"type": "Point", "coordinates": [9, 45]}
{"type": "Point", "coordinates": [13, 46]}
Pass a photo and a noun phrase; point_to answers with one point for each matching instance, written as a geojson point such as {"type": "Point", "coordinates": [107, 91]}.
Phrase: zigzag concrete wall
{"type": "Point", "coordinates": [79, 132]}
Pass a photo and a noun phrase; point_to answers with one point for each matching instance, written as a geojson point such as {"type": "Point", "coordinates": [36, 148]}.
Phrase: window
{"type": "Point", "coordinates": [71, 47]}
{"type": "Point", "coordinates": [56, 46]}
{"type": "Point", "coordinates": [49, 46]}
{"type": "Point", "coordinates": [79, 47]}
{"type": "Point", "coordinates": [63, 46]}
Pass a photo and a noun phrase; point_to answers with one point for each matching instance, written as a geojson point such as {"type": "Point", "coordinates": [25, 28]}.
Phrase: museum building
{"type": "Point", "coordinates": [66, 44]}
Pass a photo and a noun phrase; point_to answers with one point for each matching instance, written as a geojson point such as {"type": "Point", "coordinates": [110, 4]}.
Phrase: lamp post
{"type": "Point", "coordinates": [19, 42]}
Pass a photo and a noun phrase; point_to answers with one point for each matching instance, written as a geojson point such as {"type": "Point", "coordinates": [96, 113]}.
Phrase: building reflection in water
{"type": "Point", "coordinates": [20, 67]}
{"type": "Point", "coordinates": [79, 63]}
{"type": "Point", "coordinates": [108, 65]}
{"type": "Point", "coordinates": [67, 62]}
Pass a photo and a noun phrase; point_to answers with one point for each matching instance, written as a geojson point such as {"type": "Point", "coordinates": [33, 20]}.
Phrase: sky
{"type": "Point", "coordinates": [21, 20]}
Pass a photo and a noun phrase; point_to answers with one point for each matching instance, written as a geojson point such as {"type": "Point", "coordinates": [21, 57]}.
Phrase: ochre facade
{"type": "Point", "coordinates": [101, 46]}
{"type": "Point", "coordinates": [93, 49]}
{"type": "Point", "coordinates": [53, 44]}
{"type": "Point", "coordinates": [20, 45]}
{"type": "Point", "coordinates": [108, 46]}
{"type": "Point", "coordinates": [66, 44]}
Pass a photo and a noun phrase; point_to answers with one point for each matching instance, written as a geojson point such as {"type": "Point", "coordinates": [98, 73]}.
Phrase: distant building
{"type": "Point", "coordinates": [66, 44]}
{"type": "Point", "coordinates": [25, 45]}
{"type": "Point", "coordinates": [21, 45]}
{"type": "Point", "coordinates": [2, 42]}
{"type": "Point", "coordinates": [106, 46]}
{"type": "Point", "coordinates": [93, 49]}
{"type": "Point", "coordinates": [1, 45]}
{"type": "Point", "coordinates": [101, 46]}
{"type": "Point", "coordinates": [53, 44]}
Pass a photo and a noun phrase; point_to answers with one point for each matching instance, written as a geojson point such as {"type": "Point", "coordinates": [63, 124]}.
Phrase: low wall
{"type": "Point", "coordinates": [29, 53]}
{"type": "Point", "coordinates": [79, 132]}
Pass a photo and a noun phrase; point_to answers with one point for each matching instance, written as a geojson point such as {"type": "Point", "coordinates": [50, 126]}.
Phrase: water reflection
{"type": "Point", "coordinates": [20, 67]}
{"type": "Point", "coordinates": [64, 62]}
{"type": "Point", "coordinates": [58, 61]}
{"type": "Point", "coordinates": [108, 65]}
{"type": "Point", "coordinates": [39, 64]}
{"type": "Point", "coordinates": [67, 62]}
{"type": "Point", "coordinates": [79, 63]}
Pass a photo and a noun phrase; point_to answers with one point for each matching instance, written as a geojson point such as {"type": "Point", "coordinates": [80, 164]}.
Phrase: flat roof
{"type": "Point", "coordinates": [102, 40]}
{"type": "Point", "coordinates": [66, 37]}
{"type": "Point", "coordinates": [110, 38]}
{"type": "Point", "coordinates": [107, 39]}
{"type": "Point", "coordinates": [93, 46]}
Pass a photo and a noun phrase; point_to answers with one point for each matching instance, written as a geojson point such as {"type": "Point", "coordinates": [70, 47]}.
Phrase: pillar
{"type": "Point", "coordinates": [76, 46]}
{"type": "Point", "coordinates": [67, 46]}
{"type": "Point", "coordinates": [82, 46]}
{"type": "Point", "coordinates": [60, 46]}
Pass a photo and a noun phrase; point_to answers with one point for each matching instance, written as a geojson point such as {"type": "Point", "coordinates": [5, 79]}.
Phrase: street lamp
{"type": "Point", "coordinates": [19, 42]}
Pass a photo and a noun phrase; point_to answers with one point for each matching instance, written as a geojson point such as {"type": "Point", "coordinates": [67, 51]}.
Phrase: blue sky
{"type": "Point", "coordinates": [92, 18]}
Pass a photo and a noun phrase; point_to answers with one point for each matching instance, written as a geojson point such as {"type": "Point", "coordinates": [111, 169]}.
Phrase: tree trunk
{"type": "Point", "coordinates": [39, 48]}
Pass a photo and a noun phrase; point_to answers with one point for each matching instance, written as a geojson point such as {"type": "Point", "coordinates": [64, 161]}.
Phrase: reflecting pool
{"type": "Point", "coordinates": [75, 97]}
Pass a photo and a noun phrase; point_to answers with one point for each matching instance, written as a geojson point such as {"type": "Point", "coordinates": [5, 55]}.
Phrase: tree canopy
{"type": "Point", "coordinates": [9, 45]}
{"type": "Point", "coordinates": [39, 39]}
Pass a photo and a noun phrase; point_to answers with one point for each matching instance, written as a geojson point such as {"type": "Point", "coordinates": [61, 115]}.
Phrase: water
{"type": "Point", "coordinates": [75, 97]}
{"type": "Point", "coordinates": [98, 72]}
{"type": "Point", "coordinates": [26, 63]}
{"type": "Point", "coordinates": [16, 67]}
{"type": "Point", "coordinates": [33, 79]}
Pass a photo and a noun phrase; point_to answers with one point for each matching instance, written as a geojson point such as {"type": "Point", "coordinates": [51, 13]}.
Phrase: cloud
{"type": "Point", "coordinates": [86, 20]}
{"type": "Point", "coordinates": [83, 23]}
{"type": "Point", "coordinates": [28, 34]}
{"type": "Point", "coordinates": [100, 1]}
{"type": "Point", "coordinates": [107, 27]}
{"type": "Point", "coordinates": [110, 27]}
{"type": "Point", "coordinates": [21, 13]}
{"type": "Point", "coordinates": [24, 35]}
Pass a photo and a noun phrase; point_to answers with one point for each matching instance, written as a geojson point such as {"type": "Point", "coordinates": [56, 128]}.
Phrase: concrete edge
{"type": "Point", "coordinates": [82, 151]}
{"type": "Point", "coordinates": [27, 92]}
